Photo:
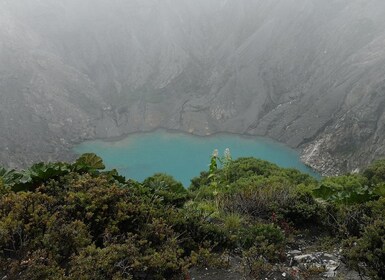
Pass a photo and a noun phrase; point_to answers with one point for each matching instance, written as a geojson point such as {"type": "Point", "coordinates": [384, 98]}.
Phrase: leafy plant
{"type": "Point", "coordinates": [39, 173]}
{"type": "Point", "coordinates": [348, 189]}
{"type": "Point", "coordinates": [9, 178]}
{"type": "Point", "coordinates": [88, 162]}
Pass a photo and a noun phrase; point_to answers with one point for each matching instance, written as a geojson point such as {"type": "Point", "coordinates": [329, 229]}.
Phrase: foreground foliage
{"type": "Point", "coordinates": [77, 221]}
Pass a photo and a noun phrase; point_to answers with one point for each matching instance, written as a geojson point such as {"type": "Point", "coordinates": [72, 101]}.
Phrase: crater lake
{"type": "Point", "coordinates": [183, 155]}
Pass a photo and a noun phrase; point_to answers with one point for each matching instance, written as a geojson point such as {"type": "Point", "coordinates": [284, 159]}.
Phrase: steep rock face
{"type": "Point", "coordinates": [41, 110]}
{"type": "Point", "coordinates": [307, 73]}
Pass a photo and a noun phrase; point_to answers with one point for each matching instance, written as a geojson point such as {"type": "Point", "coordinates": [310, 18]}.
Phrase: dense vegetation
{"type": "Point", "coordinates": [76, 221]}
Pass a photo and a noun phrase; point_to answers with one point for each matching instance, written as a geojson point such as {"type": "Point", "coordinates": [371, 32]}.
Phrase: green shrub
{"type": "Point", "coordinates": [367, 253]}
{"type": "Point", "coordinates": [75, 221]}
{"type": "Point", "coordinates": [256, 265]}
{"type": "Point", "coordinates": [233, 222]}
{"type": "Point", "coordinates": [136, 258]}
{"type": "Point", "coordinates": [83, 219]}
{"type": "Point", "coordinates": [267, 241]}
{"type": "Point", "coordinates": [302, 211]}
{"type": "Point", "coordinates": [375, 172]}
{"type": "Point", "coordinates": [348, 189]}
{"type": "Point", "coordinates": [286, 202]}
{"type": "Point", "coordinates": [166, 187]}
{"type": "Point", "coordinates": [345, 221]}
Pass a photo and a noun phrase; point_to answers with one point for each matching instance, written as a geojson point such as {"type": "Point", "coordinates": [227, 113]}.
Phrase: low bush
{"type": "Point", "coordinates": [76, 221]}
{"type": "Point", "coordinates": [166, 187]}
{"type": "Point", "coordinates": [90, 225]}
{"type": "Point", "coordinates": [366, 254]}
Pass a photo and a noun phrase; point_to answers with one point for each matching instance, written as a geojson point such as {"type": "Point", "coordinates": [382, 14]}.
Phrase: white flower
{"type": "Point", "coordinates": [215, 153]}
{"type": "Point", "coordinates": [227, 154]}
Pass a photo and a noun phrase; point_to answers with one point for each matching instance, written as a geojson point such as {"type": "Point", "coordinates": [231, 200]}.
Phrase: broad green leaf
{"type": "Point", "coordinates": [90, 161]}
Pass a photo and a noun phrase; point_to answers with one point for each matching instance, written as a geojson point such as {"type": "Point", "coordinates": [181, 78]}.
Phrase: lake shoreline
{"type": "Point", "coordinates": [142, 154]}
{"type": "Point", "coordinates": [176, 131]}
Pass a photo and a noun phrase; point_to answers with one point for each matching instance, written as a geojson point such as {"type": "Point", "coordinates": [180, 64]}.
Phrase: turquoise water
{"type": "Point", "coordinates": [183, 156]}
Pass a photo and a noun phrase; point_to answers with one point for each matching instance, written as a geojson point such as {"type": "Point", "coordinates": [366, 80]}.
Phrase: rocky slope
{"type": "Point", "coordinates": [307, 73]}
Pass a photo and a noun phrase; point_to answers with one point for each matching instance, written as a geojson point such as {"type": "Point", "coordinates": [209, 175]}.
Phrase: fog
{"type": "Point", "coordinates": [308, 73]}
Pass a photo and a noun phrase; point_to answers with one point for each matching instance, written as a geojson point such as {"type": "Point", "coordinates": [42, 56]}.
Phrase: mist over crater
{"type": "Point", "coordinates": [309, 74]}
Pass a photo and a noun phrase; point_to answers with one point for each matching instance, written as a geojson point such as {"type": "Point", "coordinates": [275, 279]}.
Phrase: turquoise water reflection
{"type": "Point", "coordinates": [184, 156]}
